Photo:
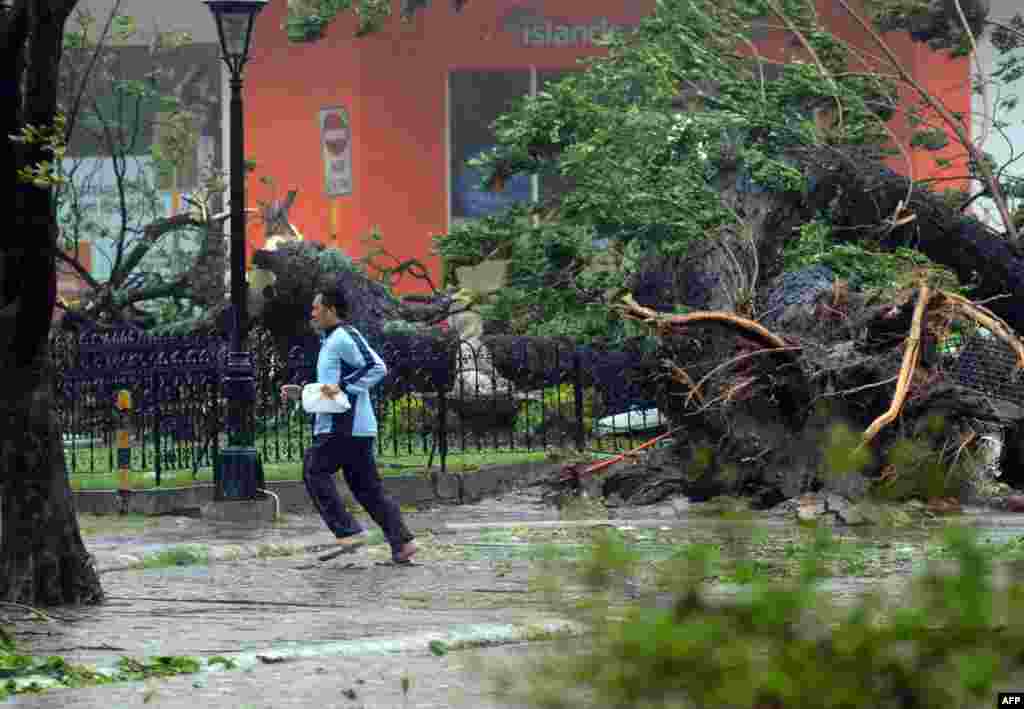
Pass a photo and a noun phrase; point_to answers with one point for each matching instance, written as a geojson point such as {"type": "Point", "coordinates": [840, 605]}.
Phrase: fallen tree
{"type": "Point", "coordinates": [763, 422]}
{"type": "Point", "coordinates": [763, 196]}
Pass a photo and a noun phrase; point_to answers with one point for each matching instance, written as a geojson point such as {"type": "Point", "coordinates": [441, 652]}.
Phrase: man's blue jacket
{"type": "Point", "coordinates": [347, 360]}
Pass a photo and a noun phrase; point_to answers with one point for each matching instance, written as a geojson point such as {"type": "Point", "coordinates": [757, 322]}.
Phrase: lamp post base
{"type": "Point", "coordinates": [237, 474]}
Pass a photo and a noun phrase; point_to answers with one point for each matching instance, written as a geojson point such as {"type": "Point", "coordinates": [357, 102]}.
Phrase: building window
{"type": "Point", "coordinates": [137, 124]}
{"type": "Point", "coordinates": [476, 99]}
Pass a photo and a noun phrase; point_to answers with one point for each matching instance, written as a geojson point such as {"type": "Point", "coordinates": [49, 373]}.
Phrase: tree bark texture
{"type": "Point", "coordinates": [43, 560]}
{"type": "Point", "coordinates": [866, 199]}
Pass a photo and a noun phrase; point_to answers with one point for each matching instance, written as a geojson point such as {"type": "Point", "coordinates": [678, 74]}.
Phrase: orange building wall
{"type": "Point", "coordinates": [393, 84]}
{"type": "Point", "coordinates": [949, 80]}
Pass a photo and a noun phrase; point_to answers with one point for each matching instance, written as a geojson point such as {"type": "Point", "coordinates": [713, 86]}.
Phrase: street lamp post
{"type": "Point", "coordinates": [237, 472]}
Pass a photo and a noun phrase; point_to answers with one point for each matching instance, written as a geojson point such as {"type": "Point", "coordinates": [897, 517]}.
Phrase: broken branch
{"type": "Point", "coordinates": [987, 319]}
{"type": "Point", "coordinates": [664, 322]}
{"type": "Point", "coordinates": [911, 357]}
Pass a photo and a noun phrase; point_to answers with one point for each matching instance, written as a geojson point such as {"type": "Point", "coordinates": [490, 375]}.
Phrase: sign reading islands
{"type": "Point", "coordinates": [534, 29]}
{"type": "Point", "coordinates": [336, 146]}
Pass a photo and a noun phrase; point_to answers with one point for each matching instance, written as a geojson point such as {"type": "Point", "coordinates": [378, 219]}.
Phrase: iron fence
{"type": "Point", "coordinates": [439, 399]}
{"type": "Point", "coordinates": [986, 364]}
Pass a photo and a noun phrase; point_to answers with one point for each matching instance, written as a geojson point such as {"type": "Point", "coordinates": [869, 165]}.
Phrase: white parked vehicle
{"type": "Point", "coordinates": [632, 421]}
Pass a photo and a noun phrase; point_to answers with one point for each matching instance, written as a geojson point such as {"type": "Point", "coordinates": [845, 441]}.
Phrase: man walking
{"type": "Point", "coordinates": [347, 363]}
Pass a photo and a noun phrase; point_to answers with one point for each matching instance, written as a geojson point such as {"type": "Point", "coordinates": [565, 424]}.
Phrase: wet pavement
{"type": "Point", "coordinates": [259, 604]}
{"type": "Point", "coordinates": [454, 680]}
{"type": "Point", "coordinates": [344, 633]}
{"type": "Point", "coordinates": [354, 623]}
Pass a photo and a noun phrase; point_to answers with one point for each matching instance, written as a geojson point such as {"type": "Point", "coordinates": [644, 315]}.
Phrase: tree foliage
{"type": "Point", "coordinates": [107, 191]}
{"type": "Point", "coordinates": [950, 641]}
{"type": "Point", "coordinates": [937, 22]}
{"type": "Point", "coordinates": [663, 142]}
{"type": "Point", "coordinates": [667, 142]}
{"type": "Point", "coordinates": [307, 19]}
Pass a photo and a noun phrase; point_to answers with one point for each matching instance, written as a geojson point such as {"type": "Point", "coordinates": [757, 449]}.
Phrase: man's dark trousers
{"type": "Point", "coordinates": [354, 455]}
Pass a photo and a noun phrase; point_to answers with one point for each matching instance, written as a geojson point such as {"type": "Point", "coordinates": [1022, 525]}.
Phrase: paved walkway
{"type": "Point", "coordinates": [346, 633]}
{"type": "Point", "coordinates": [342, 633]}
{"type": "Point", "coordinates": [120, 545]}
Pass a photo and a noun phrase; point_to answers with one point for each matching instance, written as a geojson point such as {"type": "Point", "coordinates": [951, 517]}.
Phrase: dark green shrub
{"type": "Point", "coordinates": [947, 644]}
{"type": "Point", "coordinates": [556, 409]}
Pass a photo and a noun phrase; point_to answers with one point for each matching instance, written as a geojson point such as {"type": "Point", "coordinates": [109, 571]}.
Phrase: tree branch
{"type": "Point", "coordinates": [72, 115]}
{"type": "Point", "coordinates": [976, 156]}
{"type": "Point", "coordinates": [79, 269]}
{"type": "Point", "coordinates": [791, 26]}
{"type": "Point", "coordinates": [115, 272]}
{"type": "Point", "coordinates": [986, 97]}
{"type": "Point", "coordinates": [150, 235]}
{"type": "Point", "coordinates": [1009, 29]}
{"type": "Point", "coordinates": [177, 287]}
{"type": "Point", "coordinates": [832, 81]}
{"type": "Point", "coordinates": [662, 323]}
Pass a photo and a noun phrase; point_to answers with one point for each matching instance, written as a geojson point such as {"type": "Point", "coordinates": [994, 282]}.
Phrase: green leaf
{"type": "Point", "coordinates": [226, 662]}
{"type": "Point", "coordinates": [123, 27]}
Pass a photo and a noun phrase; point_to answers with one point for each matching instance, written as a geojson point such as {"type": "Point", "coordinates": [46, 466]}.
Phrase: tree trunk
{"type": "Point", "coordinates": [43, 560]}
{"type": "Point", "coordinates": [867, 199]}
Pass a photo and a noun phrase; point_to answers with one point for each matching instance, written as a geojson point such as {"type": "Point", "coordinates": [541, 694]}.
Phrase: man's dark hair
{"type": "Point", "coordinates": [335, 298]}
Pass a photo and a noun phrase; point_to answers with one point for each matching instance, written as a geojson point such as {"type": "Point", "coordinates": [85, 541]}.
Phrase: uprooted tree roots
{"type": "Point", "coordinates": [854, 395]}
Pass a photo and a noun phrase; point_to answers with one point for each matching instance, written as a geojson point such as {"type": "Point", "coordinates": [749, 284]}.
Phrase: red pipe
{"type": "Point", "coordinates": [573, 471]}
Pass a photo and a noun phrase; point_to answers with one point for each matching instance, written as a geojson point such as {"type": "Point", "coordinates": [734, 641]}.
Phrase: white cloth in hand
{"type": "Point", "coordinates": [314, 401]}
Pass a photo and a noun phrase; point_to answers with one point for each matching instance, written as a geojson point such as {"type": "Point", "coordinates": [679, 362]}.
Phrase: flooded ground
{"type": "Point", "coordinates": [351, 629]}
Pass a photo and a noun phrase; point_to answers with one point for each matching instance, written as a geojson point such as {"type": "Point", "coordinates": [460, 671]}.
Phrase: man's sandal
{"type": "Point", "coordinates": [405, 554]}
{"type": "Point", "coordinates": [346, 545]}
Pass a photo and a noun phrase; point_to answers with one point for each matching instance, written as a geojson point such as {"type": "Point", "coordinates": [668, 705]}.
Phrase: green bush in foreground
{"type": "Point", "coordinates": [947, 643]}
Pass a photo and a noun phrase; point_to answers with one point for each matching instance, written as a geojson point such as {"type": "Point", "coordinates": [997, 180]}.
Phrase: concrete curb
{"type": "Point", "coordinates": [407, 490]}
